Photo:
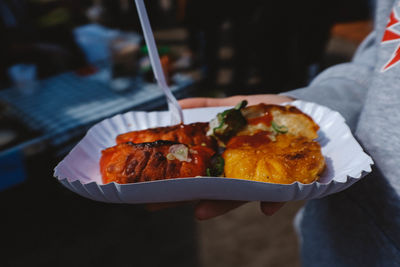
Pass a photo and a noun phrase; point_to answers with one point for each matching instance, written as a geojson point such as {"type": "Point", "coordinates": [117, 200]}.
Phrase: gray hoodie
{"type": "Point", "coordinates": [361, 226]}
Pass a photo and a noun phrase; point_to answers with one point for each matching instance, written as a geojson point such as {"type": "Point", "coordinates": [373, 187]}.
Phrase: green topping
{"type": "Point", "coordinates": [229, 122]}
{"type": "Point", "coordinates": [217, 166]}
{"type": "Point", "coordinates": [170, 156]}
{"type": "Point", "coordinates": [282, 129]}
{"type": "Point", "coordinates": [241, 105]}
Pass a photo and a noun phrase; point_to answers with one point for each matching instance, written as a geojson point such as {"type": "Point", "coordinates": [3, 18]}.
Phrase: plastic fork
{"type": "Point", "coordinates": [173, 105]}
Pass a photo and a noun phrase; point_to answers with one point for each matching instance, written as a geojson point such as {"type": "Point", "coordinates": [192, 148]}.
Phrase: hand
{"type": "Point", "coordinates": [197, 102]}
{"type": "Point", "coordinates": [208, 209]}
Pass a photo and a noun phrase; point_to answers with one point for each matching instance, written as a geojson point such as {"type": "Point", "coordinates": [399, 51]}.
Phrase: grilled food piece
{"type": "Point", "coordinates": [288, 159]}
{"type": "Point", "coordinates": [191, 134]}
{"type": "Point", "coordinates": [130, 163]}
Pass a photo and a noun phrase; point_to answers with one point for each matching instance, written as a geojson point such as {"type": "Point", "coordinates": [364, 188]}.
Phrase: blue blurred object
{"type": "Point", "coordinates": [23, 77]}
{"type": "Point", "coordinates": [95, 41]}
{"type": "Point", "coordinates": [12, 168]}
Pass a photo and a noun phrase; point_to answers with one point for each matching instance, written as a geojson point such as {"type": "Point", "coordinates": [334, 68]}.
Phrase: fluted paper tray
{"type": "Point", "coordinates": [79, 170]}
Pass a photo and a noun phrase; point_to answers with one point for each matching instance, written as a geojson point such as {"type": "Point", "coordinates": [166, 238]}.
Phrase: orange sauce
{"type": "Point", "coordinates": [255, 140]}
{"type": "Point", "coordinates": [265, 119]}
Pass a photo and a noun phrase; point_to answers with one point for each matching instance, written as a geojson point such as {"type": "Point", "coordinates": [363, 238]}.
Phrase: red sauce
{"type": "Point", "coordinates": [249, 140]}
{"type": "Point", "coordinates": [265, 119]}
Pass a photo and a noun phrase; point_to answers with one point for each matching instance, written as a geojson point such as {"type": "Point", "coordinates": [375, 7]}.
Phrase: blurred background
{"type": "Point", "coordinates": [67, 64]}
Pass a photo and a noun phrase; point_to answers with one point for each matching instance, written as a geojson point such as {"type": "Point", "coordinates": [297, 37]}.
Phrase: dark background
{"type": "Point", "coordinates": [273, 43]}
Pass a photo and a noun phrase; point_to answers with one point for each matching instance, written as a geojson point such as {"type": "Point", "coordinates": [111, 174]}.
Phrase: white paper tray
{"type": "Point", "coordinates": [79, 170]}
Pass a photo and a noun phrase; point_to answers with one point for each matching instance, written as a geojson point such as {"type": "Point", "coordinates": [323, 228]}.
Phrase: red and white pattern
{"type": "Point", "coordinates": [392, 35]}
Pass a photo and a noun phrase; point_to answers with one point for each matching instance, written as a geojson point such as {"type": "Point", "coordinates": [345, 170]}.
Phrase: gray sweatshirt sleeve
{"type": "Point", "coordinates": [343, 87]}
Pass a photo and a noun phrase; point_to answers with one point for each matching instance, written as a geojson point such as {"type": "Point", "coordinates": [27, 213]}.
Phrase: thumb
{"type": "Point", "coordinates": [270, 208]}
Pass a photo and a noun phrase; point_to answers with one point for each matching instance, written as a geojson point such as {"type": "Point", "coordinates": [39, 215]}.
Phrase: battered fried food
{"type": "Point", "coordinates": [130, 163]}
{"type": "Point", "coordinates": [190, 134]}
{"type": "Point", "coordinates": [278, 119]}
{"type": "Point", "coordinates": [276, 146]}
{"type": "Point", "coordinates": [288, 159]}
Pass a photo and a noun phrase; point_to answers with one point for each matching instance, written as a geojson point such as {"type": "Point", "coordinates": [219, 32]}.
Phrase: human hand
{"type": "Point", "coordinates": [208, 209]}
{"type": "Point", "coordinates": [197, 102]}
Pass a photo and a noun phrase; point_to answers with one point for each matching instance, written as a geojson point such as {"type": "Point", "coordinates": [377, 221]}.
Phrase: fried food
{"type": "Point", "coordinates": [265, 117]}
{"type": "Point", "coordinates": [191, 134]}
{"type": "Point", "coordinates": [276, 145]}
{"type": "Point", "coordinates": [288, 159]}
{"type": "Point", "coordinates": [130, 163]}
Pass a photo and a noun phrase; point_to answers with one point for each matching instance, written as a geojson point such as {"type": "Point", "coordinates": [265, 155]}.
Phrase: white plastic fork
{"type": "Point", "coordinates": [173, 105]}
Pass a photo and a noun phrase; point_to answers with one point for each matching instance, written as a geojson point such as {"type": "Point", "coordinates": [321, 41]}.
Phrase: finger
{"type": "Point", "coordinates": [270, 208]}
{"type": "Point", "coordinates": [207, 209]}
{"type": "Point", "coordinates": [197, 102]}
{"type": "Point", "coordinates": [164, 205]}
